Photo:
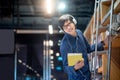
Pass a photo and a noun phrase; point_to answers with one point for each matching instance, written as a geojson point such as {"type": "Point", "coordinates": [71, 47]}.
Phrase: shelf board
{"type": "Point", "coordinates": [115, 41]}
{"type": "Point", "coordinates": [117, 7]}
{"type": "Point", "coordinates": [100, 29]}
{"type": "Point", "coordinates": [106, 2]}
{"type": "Point", "coordinates": [106, 19]}
{"type": "Point", "coordinates": [101, 52]}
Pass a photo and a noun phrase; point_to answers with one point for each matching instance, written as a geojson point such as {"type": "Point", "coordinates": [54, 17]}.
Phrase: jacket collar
{"type": "Point", "coordinates": [70, 36]}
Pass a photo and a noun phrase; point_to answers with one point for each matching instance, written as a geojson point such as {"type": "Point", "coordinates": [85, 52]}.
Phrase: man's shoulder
{"type": "Point", "coordinates": [64, 41]}
{"type": "Point", "coordinates": [79, 31]}
{"type": "Point", "coordinates": [63, 45]}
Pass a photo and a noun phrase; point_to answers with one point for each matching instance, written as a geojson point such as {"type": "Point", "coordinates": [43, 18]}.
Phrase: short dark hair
{"type": "Point", "coordinates": [65, 18]}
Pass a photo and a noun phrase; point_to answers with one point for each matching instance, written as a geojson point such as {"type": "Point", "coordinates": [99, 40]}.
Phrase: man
{"type": "Point", "coordinates": [74, 42]}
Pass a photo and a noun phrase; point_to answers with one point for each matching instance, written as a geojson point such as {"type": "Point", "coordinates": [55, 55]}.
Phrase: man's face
{"type": "Point", "coordinates": [69, 27]}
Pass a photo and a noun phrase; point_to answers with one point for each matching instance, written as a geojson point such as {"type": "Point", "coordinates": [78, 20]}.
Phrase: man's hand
{"type": "Point", "coordinates": [79, 65]}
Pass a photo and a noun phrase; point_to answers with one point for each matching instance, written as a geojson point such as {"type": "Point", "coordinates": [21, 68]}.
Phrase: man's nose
{"type": "Point", "coordinates": [68, 26]}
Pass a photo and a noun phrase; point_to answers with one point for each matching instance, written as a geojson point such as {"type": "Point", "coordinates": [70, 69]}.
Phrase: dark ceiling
{"type": "Point", "coordinates": [31, 14]}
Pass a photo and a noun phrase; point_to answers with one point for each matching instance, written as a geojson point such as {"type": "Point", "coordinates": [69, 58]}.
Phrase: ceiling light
{"type": "Point", "coordinates": [52, 65]}
{"type": "Point", "coordinates": [20, 61]}
{"type": "Point", "coordinates": [51, 57]}
{"type": "Point", "coordinates": [57, 54]}
{"type": "Point", "coordinates": [50, 29]}
{"type": "Point", "coordinates": [50, 43]}
{"type": "Point", "coordinates": [51, 51]}
{"type": "Point", "coordinates": [51, 62]}
{"type": "Point", "coordinates": [61, 6]}
{"type": "Point", "coordinates": [49, 6]}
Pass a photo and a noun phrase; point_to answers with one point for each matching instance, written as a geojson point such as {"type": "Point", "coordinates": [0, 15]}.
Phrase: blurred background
{"type": "Point", "coordinates": [30, 28]}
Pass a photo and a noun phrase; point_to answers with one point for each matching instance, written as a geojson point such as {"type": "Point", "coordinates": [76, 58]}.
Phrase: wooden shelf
{"type": "Point", "coordinates": [101, 52]}
{"type": "Point", "coordinates": [87, 32]}
{"type": "Point", "coordinates": [106, 19]}
{"type": "Point", "coordinates": [106, 2]}
{"type": "Point", "coordinates": [115, 41]}
{"type": "Point", "coordinates": [100, 29]}
{"type": "Point", "coordinates": [117, 7]}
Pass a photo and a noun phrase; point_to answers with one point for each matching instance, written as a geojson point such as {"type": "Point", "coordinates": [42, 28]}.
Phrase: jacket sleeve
{"type": "Point", "coordinates": [91, 48]}
{"type": "Point", "coordinates": [64, 49]}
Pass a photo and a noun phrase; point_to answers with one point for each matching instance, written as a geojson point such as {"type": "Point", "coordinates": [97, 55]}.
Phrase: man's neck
{"type": "Point", "coordinates": [74, 34]}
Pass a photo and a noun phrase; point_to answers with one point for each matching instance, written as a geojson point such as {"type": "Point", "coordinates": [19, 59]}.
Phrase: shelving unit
{"type": "Point", "coordinates": [106, 18]}
{"type": "Point", "coordinates": [115, 54]}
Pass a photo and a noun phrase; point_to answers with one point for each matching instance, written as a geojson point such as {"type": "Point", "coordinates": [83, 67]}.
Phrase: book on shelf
{"type": "Point", "coordinates": [73, 58]}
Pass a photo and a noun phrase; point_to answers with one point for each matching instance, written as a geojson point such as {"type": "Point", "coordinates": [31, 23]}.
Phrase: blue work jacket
{"type": "Point", "coordinates": [78, 44]}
